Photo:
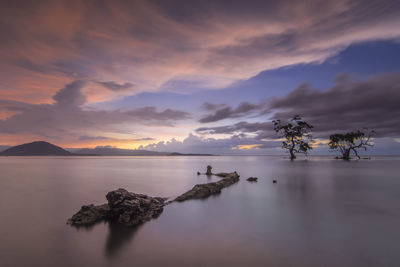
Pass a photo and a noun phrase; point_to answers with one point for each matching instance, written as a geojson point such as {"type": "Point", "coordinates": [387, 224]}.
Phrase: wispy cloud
{"type": "Point", "coordinates": [226, 112]}
{"type": "Point", "coordinates": [114, 86]}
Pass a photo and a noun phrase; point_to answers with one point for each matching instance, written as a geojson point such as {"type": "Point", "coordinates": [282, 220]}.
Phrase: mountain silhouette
{"type": "Point", "coordinates": [38, 148]}
{"type": "Point", "coordinates": [113, 151]}
{"type": "Point", "coordinates": [42, 148]}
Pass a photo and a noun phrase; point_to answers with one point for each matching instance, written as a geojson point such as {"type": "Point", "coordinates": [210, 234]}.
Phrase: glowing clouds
{"type": "Point", "coordinates": [252, 146]}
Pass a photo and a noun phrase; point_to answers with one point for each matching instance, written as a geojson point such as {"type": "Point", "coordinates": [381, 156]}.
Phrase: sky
{"type": "Point", "coordinates": [199, 76]}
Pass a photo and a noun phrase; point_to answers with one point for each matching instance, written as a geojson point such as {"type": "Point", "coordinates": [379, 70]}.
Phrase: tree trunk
{"type": "Point", "coordinates": [292, 155]}
{"type": "Point", "coordinates": [346, 154]}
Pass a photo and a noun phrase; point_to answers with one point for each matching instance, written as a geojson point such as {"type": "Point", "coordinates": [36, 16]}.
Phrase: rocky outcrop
{"type": "Point", "coordinates": [128, 208]}
{"type": "Point", "coordinates": [205, 190]}
{"type": "Point", "coordinates": [132, 209]}
{"type": "Point", "coordinates": [252, 179]}
{"type": "Point", "coordinates": [90, 214]}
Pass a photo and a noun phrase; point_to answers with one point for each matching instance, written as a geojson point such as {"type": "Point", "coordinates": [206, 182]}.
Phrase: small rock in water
{"type": "Point", "coordinates": [252, 179]}
{"type": "Point", "coordinates": [209, 172]}
{"type": "Point", "coordinates": [198, 173]}
{"type": "Point", "coordinates": [274, 181]}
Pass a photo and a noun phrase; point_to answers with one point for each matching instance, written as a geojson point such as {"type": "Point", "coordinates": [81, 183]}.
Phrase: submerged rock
{"type": "Point", "coordinates": [205, 190]}
{"type": "Point", "coordinates": [252, 179]}
{"type": "Point", "coordinates": [128, 208]}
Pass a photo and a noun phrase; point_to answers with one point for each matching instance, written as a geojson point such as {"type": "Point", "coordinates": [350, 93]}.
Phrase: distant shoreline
{"type": "Point", "coordinates": [99, 155]}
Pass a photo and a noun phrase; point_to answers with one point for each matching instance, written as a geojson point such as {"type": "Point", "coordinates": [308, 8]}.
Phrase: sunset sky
{"type": "Point", "coordinates": [197, 76]}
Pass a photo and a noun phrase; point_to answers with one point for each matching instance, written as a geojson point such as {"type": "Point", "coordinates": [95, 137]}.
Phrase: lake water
{"type": "Point", "coordinates": [322, 212]}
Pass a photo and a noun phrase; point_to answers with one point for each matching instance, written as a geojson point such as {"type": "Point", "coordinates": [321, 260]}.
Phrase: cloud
{"type": "Point", "coordinates": [227, 112]}
{"type": "Point", "coordinates": [197, 144]}
{"type": "Point", "coordinates": [95, 138]}
{"type": "Point", "coordinates": [114, 86]}
{"type": "Point", "coordinates": [92, 138]}
{"type": "Point", "coordinates": [71, 95]}
{"type": "Point", "coordinates": [14, 105]}
{"type": "Point", "coordinates": [252, 146]}
{"type": "Point", "coordinates": [260, 130]}
{"type": "Point", "coordinates": [144, 139]}
{"type": "Point", "coordinates": [209, 43]}
{"type": "Point", "coordinates": [211, 106]}
{"type": "Point", "coordinates": [68, 117]}
{"type": "Point", "coordinates": [348, 105]}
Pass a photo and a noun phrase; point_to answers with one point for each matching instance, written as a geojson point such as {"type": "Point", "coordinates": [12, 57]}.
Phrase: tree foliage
{"type": "Point", "coordinates": [350, 142]}
{"type": "Point", "coordinates": [297, 135]}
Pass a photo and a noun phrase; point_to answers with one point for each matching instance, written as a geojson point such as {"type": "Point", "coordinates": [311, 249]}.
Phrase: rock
{"type": "Point", "coordinates": [209, 172]}
{"type": "Point", "coordinates": [128, 208]}
{"type": "Point", "coordinates": [274, 181]}
{"type": "Point", "coordinates": [205, 190]}
{"type": "Point", "coordinates": [252, 179]}
{"type": "Point", "coordinates": [222, 174]}
{"type": "Point", "coordinates": [132, 209]}
{"type": "Point", "coordinates": [198, 173]}
{"type": "Point", "coordinates": [89, 214]}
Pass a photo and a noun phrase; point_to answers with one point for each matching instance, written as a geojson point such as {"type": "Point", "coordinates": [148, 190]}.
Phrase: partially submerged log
{"type": "Point", "coordinates": [205, 190]}
{"type": "Point", "coordinates": [252, 179]}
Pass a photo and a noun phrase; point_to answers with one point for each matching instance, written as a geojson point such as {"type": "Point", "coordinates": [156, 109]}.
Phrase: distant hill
{"type": "Point", "coordinates": [2, 148]}
{"type": "Point", "coordinates": [42, 148]}
{"type": "Point", "coordinates": [38, 148]}
{"type": "Point", "coordinates": [190, 154]}
{"type": "Point", "coordinates": [113, 151]}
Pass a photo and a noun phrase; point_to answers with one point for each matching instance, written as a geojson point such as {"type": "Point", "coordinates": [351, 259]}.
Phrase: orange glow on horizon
{"type": "Point", "coordinates": [253, 146]}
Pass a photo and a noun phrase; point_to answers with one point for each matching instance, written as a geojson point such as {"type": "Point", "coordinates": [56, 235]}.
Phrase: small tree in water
{"type": "Point", "coordinates": [297, 133]}
{"type": "Point", "coordinates": [351, 141]}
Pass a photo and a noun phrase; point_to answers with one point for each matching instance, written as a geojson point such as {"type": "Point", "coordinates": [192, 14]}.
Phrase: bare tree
{"type": "Point", "coordinates": [297, 133]}
{"type": "Point", "coordinates": [350, 142]}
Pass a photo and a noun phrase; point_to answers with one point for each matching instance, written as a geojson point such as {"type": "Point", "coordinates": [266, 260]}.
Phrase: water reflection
{"type": "Point", "coordinates": [118, 236]}
{"type": "Point", "coordinates": [321, 212]}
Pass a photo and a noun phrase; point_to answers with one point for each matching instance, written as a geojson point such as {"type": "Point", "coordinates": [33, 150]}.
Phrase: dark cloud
{"type": "Point", "coordinates": [144, 139]}
{"type": "Point", "coordinates": [14, 105]}
{"type": "Point", "coordinates": [91, 138]}
{"type": "Point", "coordinates": [348, 105]}
{"type": "Point", "coordinates": [71, 95]}
{"type": "Point", "coordinates": [226, 112]}
{"type": "Point", "coordinates": [261, 130]}
{"type": "Point", "coordinates": [114, 86]}
{"type": "Point", "coordinates": [151, 114]}
{"type": "Point", "coordinates": [211, 106]}
{"type": "Point", "coordinates": [96, 138]}
{"type": "Point", "coordinates": [68, 116]}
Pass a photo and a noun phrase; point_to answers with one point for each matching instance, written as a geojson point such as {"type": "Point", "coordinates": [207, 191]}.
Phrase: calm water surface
{"type": "Point", "coordinates": [322, 212]}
